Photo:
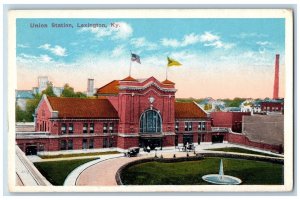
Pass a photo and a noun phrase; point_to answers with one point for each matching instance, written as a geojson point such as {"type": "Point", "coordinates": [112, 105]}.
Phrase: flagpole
{"type": "Point", "coordinates": [130, 67]}
{"type": "Point", "coordinates": [167, 73]}
{"type": "Point", "coordinates": [130, 63]}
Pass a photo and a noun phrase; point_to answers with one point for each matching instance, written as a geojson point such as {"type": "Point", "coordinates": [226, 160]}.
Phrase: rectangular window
{"type": "Point", "coordinates": [91, 127]}
{"type": "Point", "coordinates": [203, 128]}
{"type": "Point", "coordinates": [188, 126]}
{"type": "Point", "coordinates": [91, 144]}
{"type": "Point", "coordinates": [71, 128]}
{"type": "Point", "coordinates": [70, 144]}
{"type": "Point", "coordinates": [84, 143]}
{"type": "Point", "coordinates": [104, 127]}
{"type": "Point", "coordinates": [111, 127]}
{"type": "Point", "coordinates": [63, 128]}
{"type": "Point", "coordinates": [177, 126]}
{"type": "Point", "coordinates": [63, 145]}
{"type": "Point", "coordinates": [200, 126]}
{"type": "Point", "coordinates": [85, 127]}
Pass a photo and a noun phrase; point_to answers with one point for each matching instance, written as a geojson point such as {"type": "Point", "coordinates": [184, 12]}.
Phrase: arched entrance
{"type": "Point", "coordinates": [151, 129]}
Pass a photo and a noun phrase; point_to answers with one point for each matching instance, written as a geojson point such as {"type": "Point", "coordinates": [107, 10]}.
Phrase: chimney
{"type": "Point", "coordinates": [90, 87]}
{"type": "Point", "coordinates": [276, 78]}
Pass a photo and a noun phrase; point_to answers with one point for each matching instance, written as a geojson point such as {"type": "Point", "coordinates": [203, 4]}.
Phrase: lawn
{"type": "Point", "coordinates": [57, 171]}
{"type": "Point", "coordinates": [240, 150]}
{"type": "Point", "coordinates": [191, 172]}
{"type": "Point", "coordinates": [78, 155]}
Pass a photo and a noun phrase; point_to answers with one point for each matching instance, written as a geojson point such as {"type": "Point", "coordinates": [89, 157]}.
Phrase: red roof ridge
{"type": "Point", "coordinates": [128, 78]}
{"type": "Point", "coordinates": [168, 82]}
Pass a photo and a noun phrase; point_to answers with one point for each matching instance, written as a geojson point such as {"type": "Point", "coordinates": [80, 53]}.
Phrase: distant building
{"type": "Point", "coordinates": [247, 105]}
{"type": "Point", "coordinates": [43, 84]}
{"type": "Point", "coordinates": [272, 106]}
{"type": "Point", "coordinates": [232, 109]}
{"type": "Point", "coordinates": [232, 120]}
{"type": "Point", "coordinates": [22, 96]}
{"type": "Point", "coordinates": [58, 91]}
{"type": "Point", "coordinates": [210, 105]}
{"type": "Point", "coordinates": [90, 88]}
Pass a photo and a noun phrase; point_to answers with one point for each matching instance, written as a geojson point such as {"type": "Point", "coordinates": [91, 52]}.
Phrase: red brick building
{"type": "Point", "coordinates": [231, 120]}
{"type": "Point", "coordinates": [126, 113]}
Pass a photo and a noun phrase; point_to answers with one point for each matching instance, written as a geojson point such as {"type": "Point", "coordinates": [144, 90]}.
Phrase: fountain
{"type": "Point", "coordinates": [221, 179]}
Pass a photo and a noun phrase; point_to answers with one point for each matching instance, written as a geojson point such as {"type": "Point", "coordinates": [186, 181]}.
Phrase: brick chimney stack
{"type": "Point", "coordinates": [276, 78]}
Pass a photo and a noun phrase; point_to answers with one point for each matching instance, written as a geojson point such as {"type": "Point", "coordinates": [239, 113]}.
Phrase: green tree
{"type": "Point", "coordinates": [49, 90]}
{"type": "Point", "coordinates": [68, 91]}
{"type": "Point", "coordinates": [22, 115]}
{"type": "Point", "coordinates": [80, 95]}
{"type": "Point", "coordinates": [31, 105]}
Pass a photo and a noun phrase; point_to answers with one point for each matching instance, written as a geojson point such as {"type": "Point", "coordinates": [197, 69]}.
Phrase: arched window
{"type": "Point", "coordinates": [150, 122]}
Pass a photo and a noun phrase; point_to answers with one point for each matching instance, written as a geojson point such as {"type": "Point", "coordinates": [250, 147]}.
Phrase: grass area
{"type": "Point", "coordinates": [57, 171]}
{"type": "Point", "coordinates": [240, 150]}
{"type": "Point", "coordinates": [191, 172]}
{"type": "Point", "coordinates": [78, 155]}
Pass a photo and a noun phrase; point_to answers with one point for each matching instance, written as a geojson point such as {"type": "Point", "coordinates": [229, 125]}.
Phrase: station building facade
{"type": "Point", "coordinates": [125, 113]}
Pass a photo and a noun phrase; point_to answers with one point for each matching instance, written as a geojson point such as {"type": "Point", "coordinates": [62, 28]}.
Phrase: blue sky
{"type": "Point", "coordinates": [205, 47]}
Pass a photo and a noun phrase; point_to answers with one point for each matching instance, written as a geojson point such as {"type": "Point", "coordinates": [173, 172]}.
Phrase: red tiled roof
{"type": "Point", "coordinates": [110, 88]}
{"type": "Point", "coordinates": [129, 78]}
{"type": "Point", "coordinates": [82, 108]}
{"type": "Point", "coordinates": [188, 110]}
{"type": "Point", "coordinates": [167, 82]}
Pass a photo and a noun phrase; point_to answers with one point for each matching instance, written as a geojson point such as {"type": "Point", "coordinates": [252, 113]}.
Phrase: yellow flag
{"type": "Point", "coordinates": [172, 62]}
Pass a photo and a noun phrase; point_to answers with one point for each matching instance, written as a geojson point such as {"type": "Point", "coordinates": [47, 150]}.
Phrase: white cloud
{"type": "Point", "coordinates": [57, 50]}
{"type": "Point", "coordinates": [247, 35]}
{"type": "Point", "coordinates": [25, 58]}
{"type": "Point", "coordinates": [263, 43]}
{"type": "Point", "coordinates": [123, 31]}
{"type": "Point", "coordinates": [23, 46]}
{"type": "Point", "coordinates": [170, 42]}
{"type": "Point", "coordinates": [207, 38]}
{"type": "Point", "coordinates": [142, 42]}
{"type": "Point", "coordinates": [45, 58]}
{"type": "Point", "coordinates": [118, 51]}
{"type": "Point", "coordinates": [183, 55]}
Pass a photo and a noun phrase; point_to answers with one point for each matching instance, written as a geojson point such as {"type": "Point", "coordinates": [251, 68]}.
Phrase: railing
{"type": "Point", "coordinates": [32, 133]}
{"type": "Point", "coordinates": [220, 129]}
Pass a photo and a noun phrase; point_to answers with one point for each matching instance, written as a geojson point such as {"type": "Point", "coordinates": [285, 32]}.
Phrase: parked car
{"type": "Point", "coordinates": [132, 152]}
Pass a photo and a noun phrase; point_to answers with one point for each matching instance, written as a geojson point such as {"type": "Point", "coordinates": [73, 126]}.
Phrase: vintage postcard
{"type": "Point", "coordinates": [156, 100]}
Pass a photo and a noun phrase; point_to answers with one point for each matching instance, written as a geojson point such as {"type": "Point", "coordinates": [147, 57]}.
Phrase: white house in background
{"type": "Point", "coordinates": [247, 105]}
{"type": "Point", "coordinates": [214, 104]}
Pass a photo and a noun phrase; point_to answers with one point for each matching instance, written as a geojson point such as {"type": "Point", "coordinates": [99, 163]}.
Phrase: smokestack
{"type": "Point", "coordinates": [90, 87]}
{"type": "Point", "coordinates": [276, 78]}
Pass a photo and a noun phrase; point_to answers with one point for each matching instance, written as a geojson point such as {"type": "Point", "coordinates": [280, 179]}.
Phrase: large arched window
{"type": "Point", "coordinates": [150, 122]}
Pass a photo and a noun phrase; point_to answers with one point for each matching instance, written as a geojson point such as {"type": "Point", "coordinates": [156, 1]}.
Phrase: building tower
{"type": "Point", "coordinates": [276, 78]}
{"type": "Point", "coordinates": [90, 87]}
{"type": "Point", "coordinates": [42, 83]}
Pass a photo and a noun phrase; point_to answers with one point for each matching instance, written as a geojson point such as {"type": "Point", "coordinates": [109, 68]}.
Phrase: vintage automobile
{"type": "Point", "coordinates": [132, 152]}
{"type": "Point", "coordinates": [187, 147]}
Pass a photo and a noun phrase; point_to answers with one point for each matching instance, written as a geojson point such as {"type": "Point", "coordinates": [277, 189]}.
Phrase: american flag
{"type": "Point", "coordinates": [135, 57]}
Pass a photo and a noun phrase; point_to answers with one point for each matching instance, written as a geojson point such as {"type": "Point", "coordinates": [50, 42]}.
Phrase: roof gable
{"type": "Point", "coordinates": [110, 88]}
